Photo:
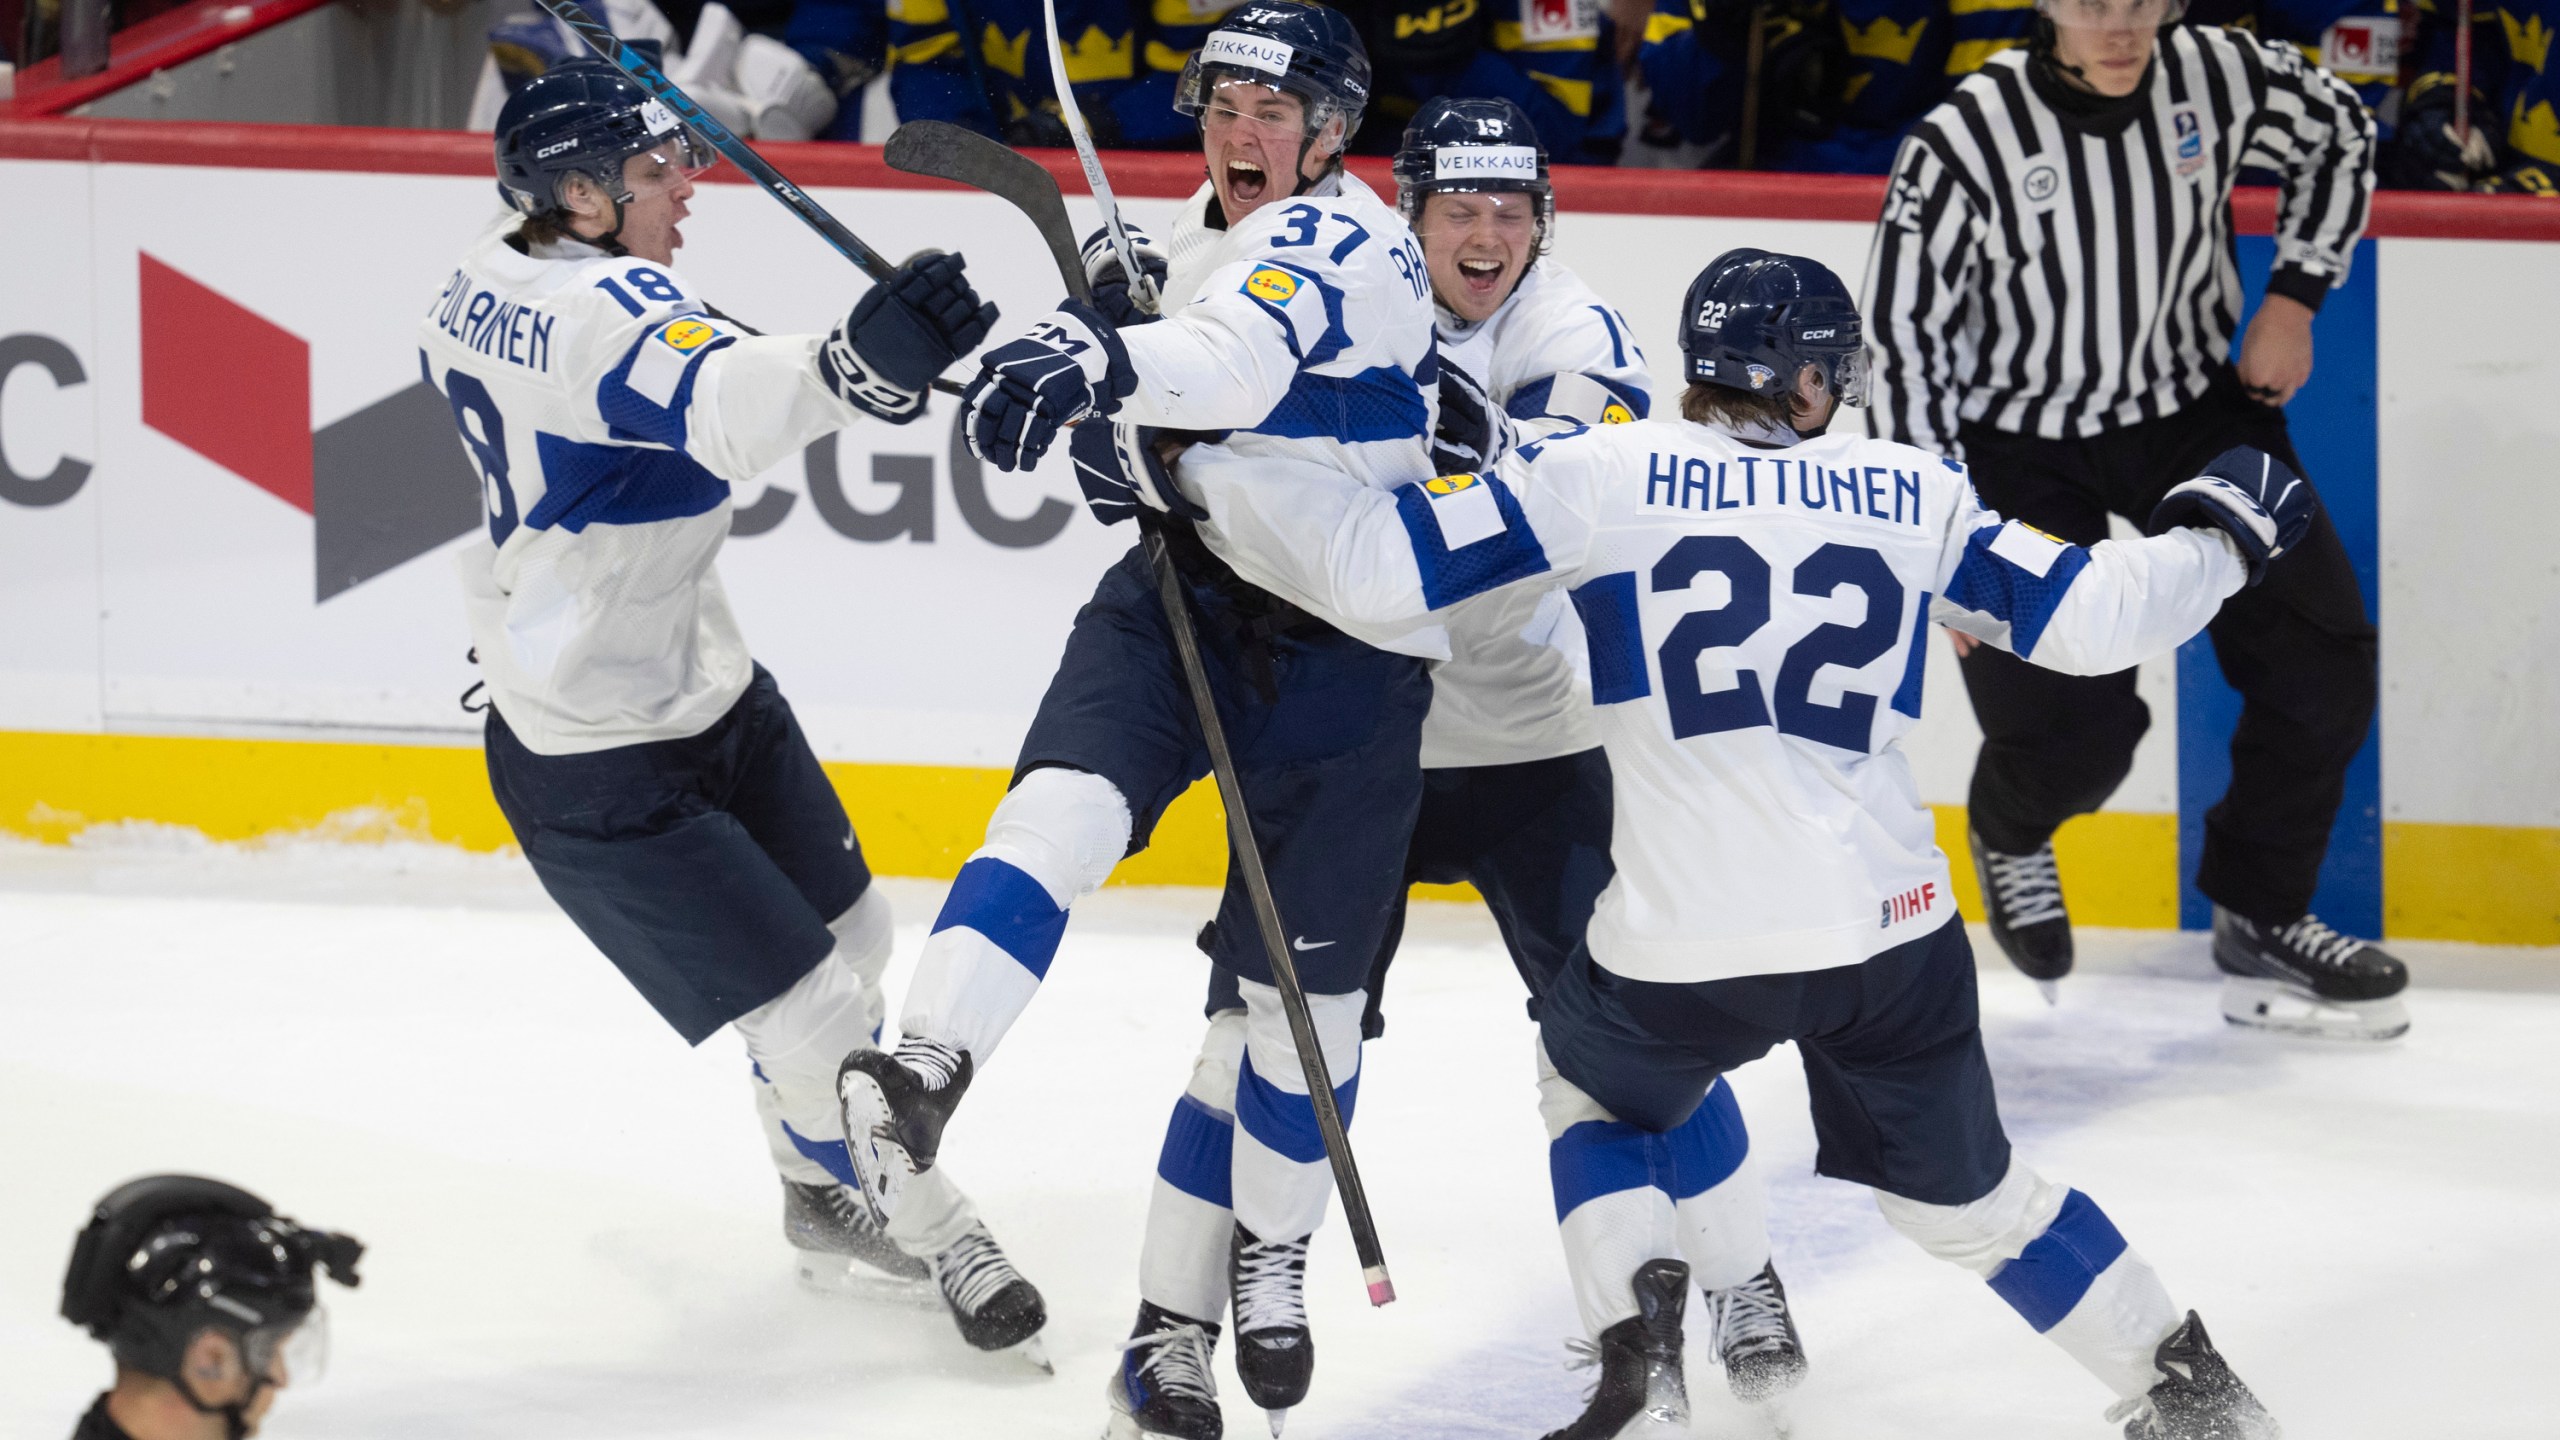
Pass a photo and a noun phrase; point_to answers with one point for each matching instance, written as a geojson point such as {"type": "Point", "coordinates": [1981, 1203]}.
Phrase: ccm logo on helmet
{"type": "Point", "coordinates": [1830, 334]}
{"type": "Point", "coordinates": [547, 151]}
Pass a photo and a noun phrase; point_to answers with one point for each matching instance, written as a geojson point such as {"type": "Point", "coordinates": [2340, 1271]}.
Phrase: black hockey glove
{"type": "Point", "coordinates": [1071, 366]}
{"type": "Point", "coordinates": [904, 332]}
{"type": "Point", "coordinates": [2250, 495]}
{"type": "Point", "coordinates": [1473, 432]}
{"type": "Point", "coordinates": [1117, 468]}
{"type": "Point", "coordinates": [1112, 293]}
{"type": "Point", "coordinates": [2424, 153]}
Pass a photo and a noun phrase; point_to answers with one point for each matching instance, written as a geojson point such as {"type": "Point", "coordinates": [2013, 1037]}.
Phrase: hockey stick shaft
{"type": "Point", "coordinates": [650, 78]}
{"type": "Point", "coordinates": [948, 152]}
{"type": "Point", "coordinates": [1266, 913]}
{"type": "Point", "coordinates": [1142, 288]}
{"type": "Point", "coordinates": [2462, 73]}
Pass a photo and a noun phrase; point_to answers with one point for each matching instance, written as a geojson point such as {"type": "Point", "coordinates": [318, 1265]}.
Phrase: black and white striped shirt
{"type": "Point", "coordinates": [2049, 273]}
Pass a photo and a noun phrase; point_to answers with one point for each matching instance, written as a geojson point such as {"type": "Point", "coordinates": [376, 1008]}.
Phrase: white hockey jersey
{"type": "Point", "coordinates": [1301, 335]}
{"type": "Point", "coordinates": [1758, 622]}
{"type": "Point", "coordinates": [1553, 356]}
{"type": "Point", "coordinates": [607, 413]}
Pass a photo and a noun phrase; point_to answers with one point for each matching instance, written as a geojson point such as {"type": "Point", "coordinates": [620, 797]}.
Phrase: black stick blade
{"type": "Point", "coordinates": [946, 151]}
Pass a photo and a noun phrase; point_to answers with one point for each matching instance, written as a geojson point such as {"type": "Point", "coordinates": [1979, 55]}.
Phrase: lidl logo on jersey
{"type": "Point", "coordinates": [1464, 508]}
{"type": "Point", "coordinates": [1616, 413]}
{"type": "Point", "coordinates": [687, 335]}
{"type": "Point", "coordinates": [1272, 284]}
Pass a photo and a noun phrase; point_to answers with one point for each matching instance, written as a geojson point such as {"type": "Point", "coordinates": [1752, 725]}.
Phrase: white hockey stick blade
{"type": "Point", "coordinates": [1142, 287]}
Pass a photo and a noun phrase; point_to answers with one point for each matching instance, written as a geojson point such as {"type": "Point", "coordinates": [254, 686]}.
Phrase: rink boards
{"type": "Point", "coordinates": [228, 504]}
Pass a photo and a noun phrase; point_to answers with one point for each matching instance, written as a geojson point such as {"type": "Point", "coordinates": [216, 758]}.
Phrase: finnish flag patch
{"type": "Point", "coordinates": [2028, 548]}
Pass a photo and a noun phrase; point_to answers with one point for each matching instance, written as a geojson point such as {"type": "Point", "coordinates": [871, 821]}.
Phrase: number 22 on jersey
{"type": "Point", "coordinates": [1750, 606]}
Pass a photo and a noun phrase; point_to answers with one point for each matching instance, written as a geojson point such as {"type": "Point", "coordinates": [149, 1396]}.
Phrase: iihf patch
{"type": "Point", "coordinates": [687, 335]}
{"type": "Point", "coordinates": [1271, 284]}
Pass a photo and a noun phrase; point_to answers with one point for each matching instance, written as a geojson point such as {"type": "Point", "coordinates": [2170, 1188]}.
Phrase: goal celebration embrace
{"type": "Point", "coordinates": [1437, 578]}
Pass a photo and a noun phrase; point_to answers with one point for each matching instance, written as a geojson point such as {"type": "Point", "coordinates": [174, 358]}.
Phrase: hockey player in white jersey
{"type": "Point", "coordinates": [1515, 788]}
{"type": "Point", "coordinates": [649, 767]}
{"type": "Point", "coordinates": [1296, 326]}
{"type": "Point", "coordinates": [1757, 596]}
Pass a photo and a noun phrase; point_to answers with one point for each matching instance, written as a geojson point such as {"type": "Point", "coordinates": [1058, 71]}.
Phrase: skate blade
{"type": "Point", "coordinates": [1033, 1354]}
{"type": "Point", "coordinates": [1277, 1418]}
{"type": "Point", "coordinates": [2051, 990]}
{"type": "Point", "coordinates": [1666, 1398]}
{"type": "Point", "coordinates": [2273, 1005]}
{"type": "Point", "coordinates": [883, 1167]}
{"type": "Point", "coordinates": [840, 1277]}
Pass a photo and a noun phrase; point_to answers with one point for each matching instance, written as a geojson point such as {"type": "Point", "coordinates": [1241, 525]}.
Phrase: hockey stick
{"type": "Point", "coordinates": [1142, 286]}
{"type": "Point", "coordinates": [650, 78]}
{"type": "Point", "coordinates": [2462, 75]}
{"type": "Point", "coordinates": [1748, 156]}
{"type": "Point", "coordinates": [948, 152]}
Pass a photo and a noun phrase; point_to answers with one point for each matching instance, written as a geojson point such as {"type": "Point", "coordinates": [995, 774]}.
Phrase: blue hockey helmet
{"type": "Point", "coordinates": [1472, 146]}
{"type": "Point", "coordinates": [584, 117]}
{"type": "Point", "coordinates": [1308, 51]}
{"type": "Point", "coordinates": [1753, 320]}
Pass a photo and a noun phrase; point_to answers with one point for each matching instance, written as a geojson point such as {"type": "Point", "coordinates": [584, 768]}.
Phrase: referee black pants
{"type": "Point", "coordinates": [2298, 648]}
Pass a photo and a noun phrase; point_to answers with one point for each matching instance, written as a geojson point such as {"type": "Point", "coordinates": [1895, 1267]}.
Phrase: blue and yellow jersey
{"type": "Point", "coordinates": [1904, 57]}
{"type": "Point", "coordinates": [1006, 91]}
{"type": "Point", "coordinates": [2517, 86]}
{"type": "Point", "coordinates": [1552, 58]}
{"type": "Point", "coordinates": [2359, 41]}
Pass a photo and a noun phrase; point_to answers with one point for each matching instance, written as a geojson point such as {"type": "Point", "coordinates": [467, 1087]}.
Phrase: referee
{"type": "Point", "coordinates": [2051, 296]}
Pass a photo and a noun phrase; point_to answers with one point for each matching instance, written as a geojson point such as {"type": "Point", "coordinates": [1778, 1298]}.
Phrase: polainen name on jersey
{"type": "Point", "coordinates": [607, 412]}
{"type": "Point", "coordinates": [1758, 627]}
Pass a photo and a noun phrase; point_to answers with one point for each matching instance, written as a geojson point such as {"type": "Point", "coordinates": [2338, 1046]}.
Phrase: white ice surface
{"type": "Point", "coordinates": [573, 1225]}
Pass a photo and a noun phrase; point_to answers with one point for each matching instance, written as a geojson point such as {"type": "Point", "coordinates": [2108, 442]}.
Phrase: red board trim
{"type": "Point", "coordinates": [154, 44]}
{"type": "Point", "coordinates": [2396, 214]}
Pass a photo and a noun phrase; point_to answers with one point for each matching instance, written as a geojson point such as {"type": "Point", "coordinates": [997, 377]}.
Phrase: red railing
{"type": "Point", "coordinates": [158, 43]}
{"type": "Point", "coordinates": [1578, 188]}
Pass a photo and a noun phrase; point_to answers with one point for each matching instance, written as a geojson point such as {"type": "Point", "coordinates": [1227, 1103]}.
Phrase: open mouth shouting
{"type": "Point", "coordinates": [1482, 275]}
{"type": "Point", "coordinates": [1247, 181]}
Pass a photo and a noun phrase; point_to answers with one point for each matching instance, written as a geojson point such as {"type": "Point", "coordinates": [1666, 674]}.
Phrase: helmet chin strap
{"type": "Point", "coordinates": [235, 1416]}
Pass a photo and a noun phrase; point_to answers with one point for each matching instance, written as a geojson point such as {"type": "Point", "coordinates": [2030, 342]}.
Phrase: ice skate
{"type": "Point", "coordinates": [894, 1109]}
{"type": "Point", "coordinates": [842, 1250]}
{"type": "Point", "coordinates": [1640, 1382]}
{"type": "Point", "coordinates": [995, 1308]}
{"type": "Point", "coordinates": [1163, 1385]}
{"type": "Point", "coordinates": [1755, 1337]}
{"type": "Point", "coordinates": [1275, 1351]}
{"type": "Point", "coordinates": [2307, 979]}
{"type": "Point", "coordinates": [2199, 1398]}
{"type": "Point", "coordinates": [2022, 895]}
